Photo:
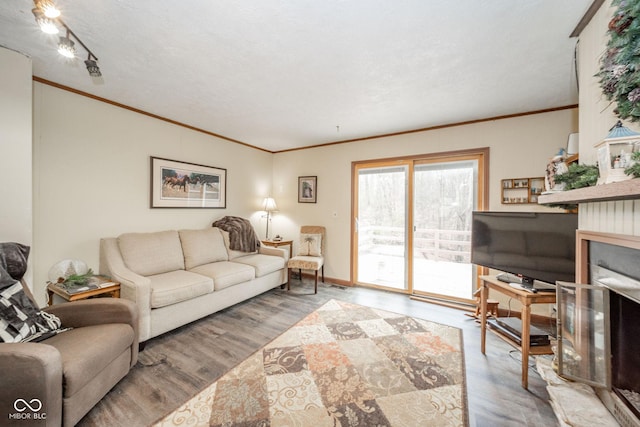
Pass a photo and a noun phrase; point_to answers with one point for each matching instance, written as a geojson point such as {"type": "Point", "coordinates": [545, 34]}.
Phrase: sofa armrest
{"type": "Point", "coordinates": [133, 287]}
{"type": "Point", "coordinates": [268, 250]}
{"type": "Point", "coordinates": [99, 311]}
{"type": "Point", "coordinates": [279, 252]}
{"type": "Point", "coordinates": [32, 371]}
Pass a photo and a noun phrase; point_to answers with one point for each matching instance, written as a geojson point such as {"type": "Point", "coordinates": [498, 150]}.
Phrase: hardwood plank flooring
{"type": "Point", "coordinates": [177, 365]}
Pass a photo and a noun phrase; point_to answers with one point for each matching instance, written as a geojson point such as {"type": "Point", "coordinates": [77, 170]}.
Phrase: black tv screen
{"type": "Point", "coordinates": [536, 246]}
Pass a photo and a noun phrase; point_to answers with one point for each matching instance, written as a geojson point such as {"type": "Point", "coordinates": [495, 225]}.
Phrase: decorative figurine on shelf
{"type": "Point", "coordinates": [555, 167]}
{"type": "Point", "coordinates": [278, 238]}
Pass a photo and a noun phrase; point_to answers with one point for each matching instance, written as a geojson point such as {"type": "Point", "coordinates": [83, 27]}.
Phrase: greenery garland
{"type": "Point", "coordinates": [576, 176]}
{"type": "Point", "coordinates": [579, 176]}
{"type": "Point", "coordinates": [620, 66]}
{"type": "Point", "coordinates": [634, 169]}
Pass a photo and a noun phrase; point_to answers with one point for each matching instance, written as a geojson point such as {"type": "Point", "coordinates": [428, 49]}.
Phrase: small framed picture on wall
{"type": "Point", "coordinates": [307, 189]}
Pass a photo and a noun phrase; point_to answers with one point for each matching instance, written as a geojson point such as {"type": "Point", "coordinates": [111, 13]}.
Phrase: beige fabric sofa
{"type": "Point", "coordinates": [176, 277]}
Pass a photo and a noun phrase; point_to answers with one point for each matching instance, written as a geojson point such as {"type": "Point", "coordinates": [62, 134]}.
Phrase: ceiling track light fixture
{"type": "Point", "coordinates": [47, 25]}
{"type": "Point", "coordinates": [92, 66]}
{"type": "Point", "coordinates": [48, 19]}
{"type": "Point", "coordinates": [66, 46]}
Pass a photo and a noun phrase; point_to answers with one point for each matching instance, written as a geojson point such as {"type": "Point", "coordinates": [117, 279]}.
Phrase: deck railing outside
{"type": "Point", "coordinates": [433, 244]}
{"type": "Point", "coordinates": [441, 262]}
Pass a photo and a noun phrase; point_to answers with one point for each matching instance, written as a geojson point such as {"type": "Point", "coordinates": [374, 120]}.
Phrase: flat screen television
{"type": "Point", "coordinates": [534, 246]}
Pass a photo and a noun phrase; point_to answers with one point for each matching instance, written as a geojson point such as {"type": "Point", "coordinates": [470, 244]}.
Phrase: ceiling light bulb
{"type": "Point", "coordinates": [66, 47]}
{"type": "Point", "coordinates": [92, 68]}
{"type": "Point", "coordinates": [46, 25]}
{"type": "Point", "coordinates": [48, 8]}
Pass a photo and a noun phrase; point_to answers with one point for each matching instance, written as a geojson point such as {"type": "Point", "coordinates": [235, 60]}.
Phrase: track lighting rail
{"type": "Point", "coordinates": [48, 18]}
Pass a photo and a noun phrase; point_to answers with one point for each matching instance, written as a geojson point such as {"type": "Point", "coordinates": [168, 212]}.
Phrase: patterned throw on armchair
{"type": "Point", "coordinates": [57, 363]}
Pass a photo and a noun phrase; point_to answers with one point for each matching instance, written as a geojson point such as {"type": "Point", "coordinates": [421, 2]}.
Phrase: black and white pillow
{"type": "Point", "coordinates": [21, 320]}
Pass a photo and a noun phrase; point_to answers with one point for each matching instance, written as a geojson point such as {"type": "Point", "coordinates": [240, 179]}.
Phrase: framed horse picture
{"type": "Point", "coordinates": [176, 184]}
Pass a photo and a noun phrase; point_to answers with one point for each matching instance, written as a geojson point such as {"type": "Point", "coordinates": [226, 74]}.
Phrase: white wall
{"type": "Point", "coordinates": [91, 176]}
{"type": "Point", "coordinates": [519, 147]}
{"type": "Point", "coordinates": [15, 149]}
{"type": "Point", "coordinates": [596, 112]}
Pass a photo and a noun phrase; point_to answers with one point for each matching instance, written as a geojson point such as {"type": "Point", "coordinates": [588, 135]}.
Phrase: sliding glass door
{"type": "Point", "coordinates": [382, 226]}
{"type": "Point", "coordinates": [412, 223]}
{"type": "Point", "coordinates": [444, 197]}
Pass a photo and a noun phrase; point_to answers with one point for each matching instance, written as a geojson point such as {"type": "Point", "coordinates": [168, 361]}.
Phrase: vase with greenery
{"type": "Point", "coordinates": [75, 280]}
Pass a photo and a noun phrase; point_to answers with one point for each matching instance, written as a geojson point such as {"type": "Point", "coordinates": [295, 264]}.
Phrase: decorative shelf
{"type": "Point", "coordinates": [624, 190]}
{"type": "Point", "coordinates": [517, 191]}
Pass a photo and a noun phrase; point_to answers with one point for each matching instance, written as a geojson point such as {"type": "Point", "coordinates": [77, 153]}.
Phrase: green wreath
{"type": "Point", "coordinates": [620, 65]}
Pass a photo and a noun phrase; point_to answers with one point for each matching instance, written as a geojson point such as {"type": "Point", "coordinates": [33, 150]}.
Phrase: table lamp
{"type": "Point", "coordinates": [269, 206]}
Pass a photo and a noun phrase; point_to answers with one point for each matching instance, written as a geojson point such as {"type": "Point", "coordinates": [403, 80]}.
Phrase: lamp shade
{"type": "Point", "coordinates": [269, 204]}
{"type": "Point", "coordinates": [573, 143]}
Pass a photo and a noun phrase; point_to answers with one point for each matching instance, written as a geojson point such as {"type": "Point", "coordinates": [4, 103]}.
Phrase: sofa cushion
{"type": "Point", "coordinates": [263, 264]}
{"type": "Point", "coordinates": [226, 273]}
{"type": "Point", "coordinates": [303, 262]}
{"type": "Point", "coordinates": [176, 286]}
{"type": "Point", "coordinates": [88, 350]}
{"type": "Point", "coordinates": [151, 253]}
{"type": "Point", "coordinates": [232, 254]}
{"type": "Point", "coordinates": [202, 246]}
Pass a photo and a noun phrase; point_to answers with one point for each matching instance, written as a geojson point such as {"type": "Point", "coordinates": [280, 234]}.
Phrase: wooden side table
{"type": "Point", "coordinates": [526, 299]}
{"type": "Point", "coordinates": [101, 287]}
{"type": "Point", "coordinates": [279, 243]}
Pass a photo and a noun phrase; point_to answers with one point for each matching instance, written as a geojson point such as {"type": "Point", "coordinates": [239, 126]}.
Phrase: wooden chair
{"type": "Point", "coordinates": [310, 254]}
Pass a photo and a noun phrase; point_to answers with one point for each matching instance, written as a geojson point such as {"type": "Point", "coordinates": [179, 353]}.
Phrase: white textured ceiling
{"type": "Point", "coordinates": [280, 74]}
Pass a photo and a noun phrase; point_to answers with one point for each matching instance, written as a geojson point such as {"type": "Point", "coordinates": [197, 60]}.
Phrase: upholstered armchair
{"type": "Point", "coordinates": [58, 380]}
{"type": "Point", "coordinates": [310, 255]}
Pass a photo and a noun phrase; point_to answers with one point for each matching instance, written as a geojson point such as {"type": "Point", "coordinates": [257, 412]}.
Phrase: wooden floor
{"type": "Point", "coordinates": [175, 366]}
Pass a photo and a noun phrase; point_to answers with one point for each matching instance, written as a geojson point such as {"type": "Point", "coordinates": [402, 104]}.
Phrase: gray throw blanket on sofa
{"type": "Point", "coordinates": [242, 236]}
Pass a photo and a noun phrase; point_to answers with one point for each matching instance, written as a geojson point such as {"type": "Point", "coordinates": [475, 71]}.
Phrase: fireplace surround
{"type": "Point", "coordinates": [599, 323]}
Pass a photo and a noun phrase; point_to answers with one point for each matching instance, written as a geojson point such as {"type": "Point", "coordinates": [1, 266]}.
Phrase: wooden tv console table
{"type": "Point", "coordinates": [526, 299]}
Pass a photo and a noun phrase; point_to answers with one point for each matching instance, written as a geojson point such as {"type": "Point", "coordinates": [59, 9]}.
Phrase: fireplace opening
{"type": "Point", "coordinates": [616, 267]}
{"type": "Point", "coordinates": [625, 350]}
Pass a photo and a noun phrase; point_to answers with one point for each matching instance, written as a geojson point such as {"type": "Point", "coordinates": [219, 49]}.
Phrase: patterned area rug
{"type": "Point", "coordinates": [342, 365]}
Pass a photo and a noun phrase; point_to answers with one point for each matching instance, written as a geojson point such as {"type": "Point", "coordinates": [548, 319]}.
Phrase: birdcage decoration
{"type": "Point", "coordinates": [615, 153]}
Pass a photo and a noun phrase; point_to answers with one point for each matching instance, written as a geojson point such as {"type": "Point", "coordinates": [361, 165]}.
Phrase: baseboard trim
{"type": "Point", "coordinates": [328, 280]}
{"type": "Point", "coordinates": [452, 304]}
